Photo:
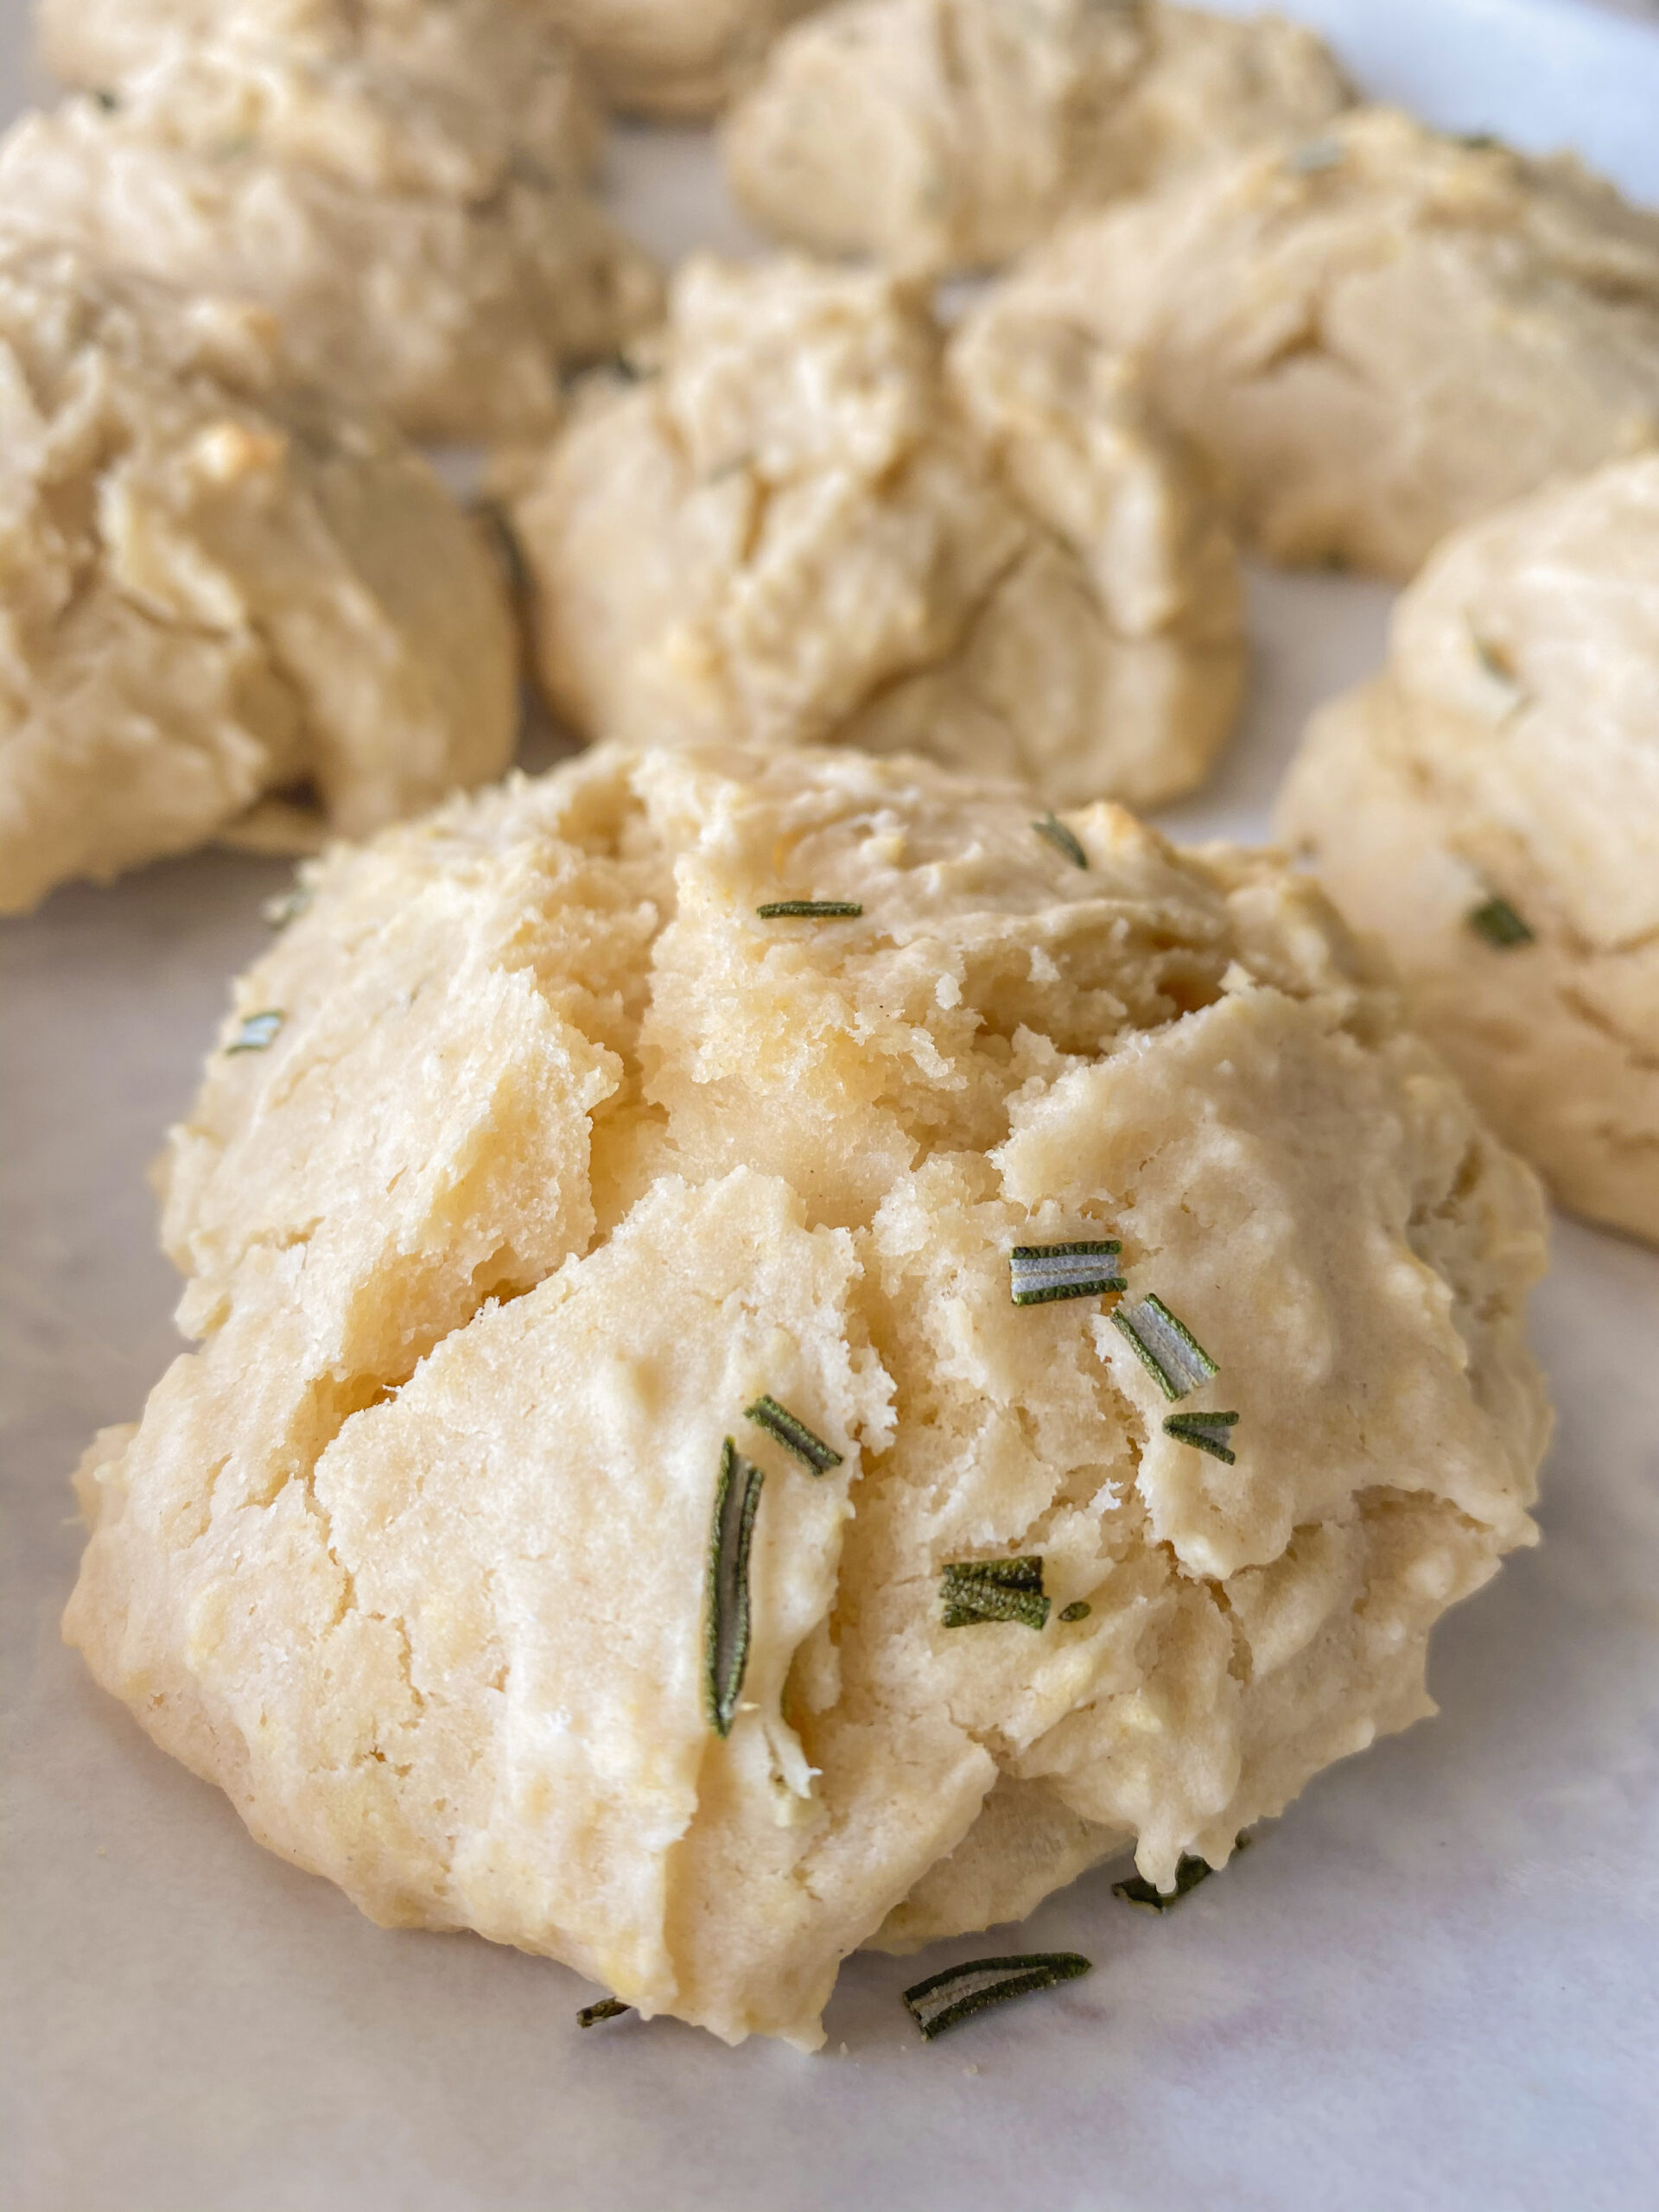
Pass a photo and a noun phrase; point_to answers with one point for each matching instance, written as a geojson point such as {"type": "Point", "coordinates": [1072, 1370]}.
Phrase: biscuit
{"type": "Point", "coordinates": [216, 584]}
{"type": "Point", "coordinates": [561, 1151]}
{"type": "Point", "coordinates": [488, 68]}
{"type": "Point", "coordinates": [1380, 334]}
{"type": "Point", "coordinates": [818, 521]}
{"type": "Point", "coordinates": [420, 255]}
{"type": "Point", "coordinates": [678, 60]}
{"type": "Point", "coordinates": [1509, 754]}
{"type": "Point", "coordinates": [950, 134]}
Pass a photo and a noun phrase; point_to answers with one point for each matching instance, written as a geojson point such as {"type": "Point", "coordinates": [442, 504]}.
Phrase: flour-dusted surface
{"type": "Point", "coordinates": [1435, 1980]}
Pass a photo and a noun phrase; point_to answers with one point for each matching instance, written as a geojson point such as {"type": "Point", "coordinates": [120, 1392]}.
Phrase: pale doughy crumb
{"type": "Point", "coordinates": [819, 521]}
{"type": "Point", "coordinates": [215, 584]}
{"type": "Point", "coordinates": [950, 134]}
{"type": "Point", "coordinates": [1380, 334]}
{"type": "Point", "coordinates": [1511, 749]}
{"type": "Point", "coordinates": [561, 1155]}
{"type": "Point", "coordinates": [410, 211]}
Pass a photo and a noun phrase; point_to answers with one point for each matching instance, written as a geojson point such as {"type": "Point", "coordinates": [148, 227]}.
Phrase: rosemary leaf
{"type": "Point", "coordinates": [287, 906]}
{"type": "Point", "coordinates": [1167, 1348]}
{"type": "Point", "coordinates": [1319, 154]}
{"type": "Point", "coordinates": [1207, 1431]}
{"type": "Point", "coordinates": [1063, 840]}
{"type": "Point", "coordinates": [972, 1591]}
{"type": "Point", "coordinates": [257, 1032]}
{"type": "Point", "coordinates": [1499, 923]}
{"type": "Point", "coordinates": [606, 2009]}
{"type": "Point", "coordinates": [793, 1434]}
{"type": "Point", "coordinates": [1079, 1610]}
{"type": "Point", "coordinates": [820, 910]}
{"type": "Point", "coordinates": [945, 2000]}
{"type": "Point", "coordinates": [1189, 1872]}
{"type": "Point", "coordinates": [1040, 1273]}
{"type": "Point", "coordinates": [1023, 1574]}
{"type": "Point", "coordinates": [726, 1632]}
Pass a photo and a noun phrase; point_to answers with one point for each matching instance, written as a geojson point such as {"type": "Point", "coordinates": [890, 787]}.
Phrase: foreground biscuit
{"type": "Point", "coordinates": [1379, 334]}
{"type": "Point", "coordinates": [1489, 806]}
{"type": "Point", "coordinates": [557, 1134]}
{"type": "Point", "coordinates": [415, 222]}
{"type": "Point", "coordinates": [949, 134]}
{"type": "Point", "coordinates": [216, 585]}
{"type": "Point", "coordinates": [817, 522]}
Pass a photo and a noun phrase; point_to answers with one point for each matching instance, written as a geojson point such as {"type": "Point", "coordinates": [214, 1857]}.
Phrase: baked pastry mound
{"type": "Point", "coordinates": [565, 1153]}
{"type": "Point", "coordinates": [1488, 805]}
{"type": "Point", "coordinates": [677, 60]}
{"type": "Point", "coordinates": [819, 520]}
{"type": "Point", "coordinates": [942, 135]}
{"type": "Point", "coordinates": [1378, 335]}
{"type": "Point", "coordinates": [400, 187]}
{"type": "Point", "coordinates": [216, 585]}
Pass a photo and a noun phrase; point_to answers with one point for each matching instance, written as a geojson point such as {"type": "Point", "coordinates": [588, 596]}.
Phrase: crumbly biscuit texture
{"type": "Point", "coordinates": [819, 521]}
{"type": "Point", "coordinates": [215, 584]}
{"type": "Point", "coordinates": [1510, 750]}
{"type": "Point", "coordinates": [489, 74]}
{"type": "Point", "coordinates": [1380, 333]}
{"type": "Point", "coordinates": [418, 228]}
{"type": "Point", "coordinates": [950, 134]}
{"type": "Point", "coordinates": [562, 1154]}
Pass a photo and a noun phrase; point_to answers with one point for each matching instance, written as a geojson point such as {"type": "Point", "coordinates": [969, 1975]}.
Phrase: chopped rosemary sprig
{"type": "Point", "coordinates": [793, 1434]}
{"type": "Point", "coordinates": [1316, 154]}
{"type": "Point", "coordinates": [258, 1031]}
{"type": "Point", "coordinates": [1040, 1273]}
{"type": "Point", "coordinates": [1079, 1610]}
{"type": "Point", "coordinates": [1189, 1872]}
{"type": "Point", "coordinates": [943, 2000]}
{"type": "Point", "coordinates": [606, 2009]}
{"type": "Point", "coordinates": [725, 1632]}
{"type": "Point", "coordinates": [820, 910]}
{"type": "Point", "coordinates": [1497, 922]}
{"type": "Point", "coordinates": [1167, 1348]}
{"type": "Point", "coordinates": [1063, 840]}
{"type": "Point", "coordinates": [288, 906]}
{"type": "Point", "coordinates": [1207, 1431]}
{"type": "Point", "coordinates": [975, 1590]}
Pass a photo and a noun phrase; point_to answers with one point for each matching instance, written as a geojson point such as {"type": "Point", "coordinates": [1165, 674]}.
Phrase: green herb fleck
{"type": "Point", "coordinates": [1079, 1610]}
{"type": "Point", "coordinates": [1167, 1348]}
{"type": "Point", "coordinates": [1063, 840]}
{"type": "Point", "coordinates": [793, 1434]}
{"type": "Point", "coordinates": [1189, 1872]}
{"type": "Point", "coordinates": [975, 1590]}
{"type": "Point", "coordinates": [1497, 922]}
{"type": "Point", "coordinates": [945, 1999]}
{"type": "Point", "coordinates": [1207, 1431]}
{"type": "Point", "coordinates": [1478, 141]}
{"type": "Point", "coordinates": [288, 906]}
{"type": "Point", "coordinates": [1319, 154]}
{"type": "Point", "coordinates": [606, 2009]}
{"type": "Point", "coordinates": [818, 910]}
{"type": "Point", "coordinates": [1040, 1273]}
{"type": "Point", "coordinates": [726, 1632]}
{"type": "Point", "coordinates": [257, 1032]}
{"type": "Point", "coordinates": [107, 101]}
